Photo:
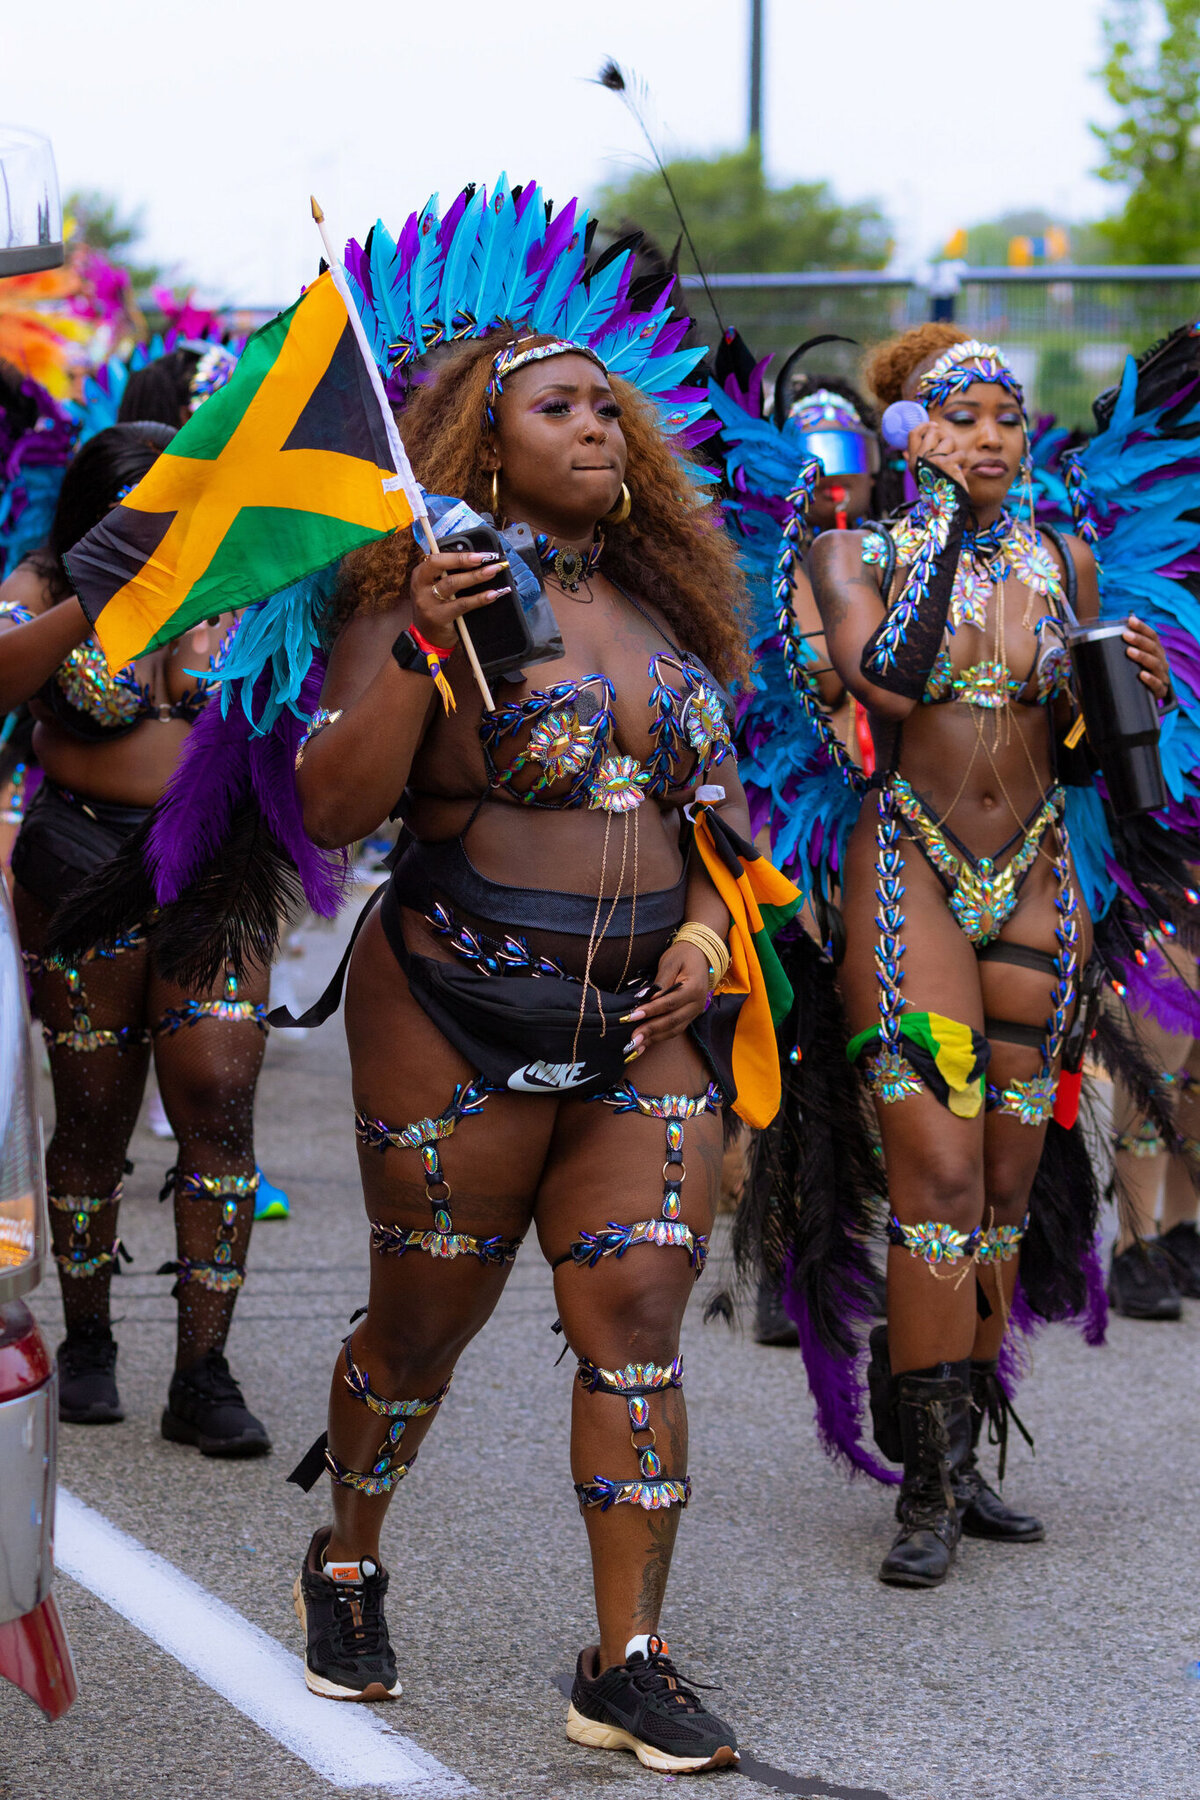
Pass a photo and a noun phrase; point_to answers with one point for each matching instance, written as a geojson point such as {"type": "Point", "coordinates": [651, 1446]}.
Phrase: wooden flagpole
{"type": "Point", "coordinates": [404, 477]}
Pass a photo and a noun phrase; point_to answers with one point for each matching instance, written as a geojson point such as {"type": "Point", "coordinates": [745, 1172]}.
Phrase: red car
{"type": "Point", "coordinates": [34, 1652]}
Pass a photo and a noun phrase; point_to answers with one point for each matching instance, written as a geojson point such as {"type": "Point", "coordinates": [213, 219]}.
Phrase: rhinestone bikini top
{"type": "Point", "coordinates": [1009, 547]}
{"type": "Point", "coordinates": [571, 739]}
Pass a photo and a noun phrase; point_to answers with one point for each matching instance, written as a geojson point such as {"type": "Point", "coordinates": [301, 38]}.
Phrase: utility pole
{"type": "Point", "coordinates": [756, 49]}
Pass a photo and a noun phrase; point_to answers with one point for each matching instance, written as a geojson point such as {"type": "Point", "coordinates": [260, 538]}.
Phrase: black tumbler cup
{"type": "Point", "coordinates": [1121, 717]}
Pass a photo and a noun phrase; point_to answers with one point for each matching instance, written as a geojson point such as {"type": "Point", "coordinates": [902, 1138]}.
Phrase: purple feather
{"type": "Point", "coordinates": [222, 763]}
{"type": "Point", "coordinates": [323, 873]}
{"type": "Point", "coordinates": [193, 818]}
{"type": "Point", "coordinates": [837, 1385]}
{"type": "Point", "coordinates": [1025, 1326]}
{"type": "Point", "coordinates": [1157, 991]}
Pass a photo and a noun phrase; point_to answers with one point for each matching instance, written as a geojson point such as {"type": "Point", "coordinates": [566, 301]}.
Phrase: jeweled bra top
{"type": "Point", "coordinates": [89, 702]}
{"type": "Point", "coordinates": [1006, 548]}
{"type": "Point", "coordinates": [571, 740]}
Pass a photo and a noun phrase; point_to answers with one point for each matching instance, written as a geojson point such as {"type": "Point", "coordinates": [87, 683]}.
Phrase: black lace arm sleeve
{"type": "Point", "coordinates": [900, 653]}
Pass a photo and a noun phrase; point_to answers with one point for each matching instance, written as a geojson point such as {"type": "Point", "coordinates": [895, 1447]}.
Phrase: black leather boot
{"type": "Point", "coordinates": [984, 1513]}
{"type": "Point", "coordinates": [771, 1324]}
{"type": "Point", "coordinates": [935, 1432]}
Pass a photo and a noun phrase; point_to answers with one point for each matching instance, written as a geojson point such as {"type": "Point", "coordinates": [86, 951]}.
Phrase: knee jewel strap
{"type": "Point", "coordinates": [936, 1242]}
{"type": "Point", "coordinates": [1145, 1140]}
{"type": "Point", "coordinates": [83, 1036]}
{"type": "Point", "coordinates": [80, 1259]}
{"type": "Point", "coordinates": [1000, 1243]}
{"type": "Point", "coordinates": [635, 1383]}
{"type": "Point", "coordinates": [424, 1135]}
{"type": "Point", "coordinates": [386, 1471]}
{"type": "Point", "coordinates": [220, 1274]}
{"type": "Point", "coordinates": [229, 1010]}
{"type": "Point", "coordinates": [933, 1241]}
{"type": "Point", "coordinates": [668, 1231]}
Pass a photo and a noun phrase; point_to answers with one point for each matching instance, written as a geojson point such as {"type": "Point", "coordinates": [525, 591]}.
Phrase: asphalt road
{"type": "Point", "coordinates": [1064, 1671]}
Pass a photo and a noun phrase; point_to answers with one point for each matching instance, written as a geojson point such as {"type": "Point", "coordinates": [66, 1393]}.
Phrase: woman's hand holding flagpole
{"type": "Point", "coordinates": [404, 477]}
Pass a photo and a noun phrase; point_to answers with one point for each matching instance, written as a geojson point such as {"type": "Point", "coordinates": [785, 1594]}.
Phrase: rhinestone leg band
{"type": "Point", "coordinates": [424, 1136]}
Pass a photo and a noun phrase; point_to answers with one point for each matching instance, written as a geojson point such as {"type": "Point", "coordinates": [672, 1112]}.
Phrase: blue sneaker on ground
{"type": "Point", "coordinates": [270, 1202]}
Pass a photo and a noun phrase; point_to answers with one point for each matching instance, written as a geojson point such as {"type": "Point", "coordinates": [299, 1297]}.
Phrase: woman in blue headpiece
{"type": "Point", "coordinates": [966, 929]}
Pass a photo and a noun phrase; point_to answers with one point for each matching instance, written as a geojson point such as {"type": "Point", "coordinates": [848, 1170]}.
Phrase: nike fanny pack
{"type": "Point", "coordinates": [524, 1032]}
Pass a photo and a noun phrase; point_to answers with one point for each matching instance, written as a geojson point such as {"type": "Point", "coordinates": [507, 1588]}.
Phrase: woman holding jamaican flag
{"type": "Point", "coordinates": [568, 979]}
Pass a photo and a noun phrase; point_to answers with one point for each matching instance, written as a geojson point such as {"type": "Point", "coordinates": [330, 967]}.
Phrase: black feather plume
{"type": "Point", "coordinates": [612, 77]}
{"type": "Point", "coordinates": [116, 898]}
{"type": "Point", "coordinates": [231, 913]}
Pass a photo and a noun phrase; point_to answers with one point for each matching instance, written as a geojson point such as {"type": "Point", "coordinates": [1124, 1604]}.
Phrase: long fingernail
{"type": "Point", "coordinates": [483, 556]}
{"type": "Point", "coordinates": [633, 1018]}
{"type": "Point", "coordinates": [632, 1058]}
{"type": "Point", "coordinates": [628, 1047]}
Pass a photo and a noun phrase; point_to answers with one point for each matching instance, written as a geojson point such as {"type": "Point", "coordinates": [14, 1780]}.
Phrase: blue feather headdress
{"type": "Point", "coordinates": [509, 259]}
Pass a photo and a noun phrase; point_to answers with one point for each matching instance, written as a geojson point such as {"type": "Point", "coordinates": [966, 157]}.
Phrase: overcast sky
{"type": "Point", "coordinates": [219, 119]}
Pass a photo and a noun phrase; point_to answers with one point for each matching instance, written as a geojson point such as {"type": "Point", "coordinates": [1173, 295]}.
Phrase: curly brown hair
{"type": "Point", "coordinates": [671, 551]}
{"type": "Point", "coordinates": [889, 365]}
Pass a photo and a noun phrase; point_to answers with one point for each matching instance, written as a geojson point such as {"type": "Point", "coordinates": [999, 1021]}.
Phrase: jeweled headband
{"type": "Point", "coordinates": [512, 357]}
{"type": "Point", "coordinates": [824, 408]}
{"type": "Point", "coordinates": [961, 366]}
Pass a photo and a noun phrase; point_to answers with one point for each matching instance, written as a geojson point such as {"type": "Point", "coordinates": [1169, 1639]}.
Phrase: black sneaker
{"type": "Point", "coordinates": [1181, 1247]}
{"type": "Point", "coordinates": [643, 1705]}
{"type": "Point", "coordinates": [87, 1381]}
{"type": "Point", "coordinates": [1141, 1285]}
{"type": "Point", "coordinates": [205, 1407]}
{"type": "Point", "coordinates": [347, 1655]}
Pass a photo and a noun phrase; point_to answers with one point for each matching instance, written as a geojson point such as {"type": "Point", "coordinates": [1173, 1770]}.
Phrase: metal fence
{"type": "Point", "coordinates": [1067, 330]}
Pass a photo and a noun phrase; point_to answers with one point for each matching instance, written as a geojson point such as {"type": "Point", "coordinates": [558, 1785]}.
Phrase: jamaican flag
{"type": "Point", "coordinates": [279, 473]}
{"type": "Point", "coordinates": [951, 1059]}
{"type": "Point", "coordinates": [760, 902]}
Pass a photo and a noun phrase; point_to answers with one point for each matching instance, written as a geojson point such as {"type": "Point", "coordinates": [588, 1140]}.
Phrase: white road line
{"type": "Point", "coordinates": [343, 1742]}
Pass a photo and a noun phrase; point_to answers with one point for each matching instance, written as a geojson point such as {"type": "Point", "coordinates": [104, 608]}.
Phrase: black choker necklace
{"type": "Point", "coordinates": [568, 567]}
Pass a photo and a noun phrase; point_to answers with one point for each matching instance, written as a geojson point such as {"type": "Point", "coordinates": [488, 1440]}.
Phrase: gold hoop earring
{"type": "Point", "coordinates": [621, 510]}
{"type": "Point", "coordinates": [495, 496]}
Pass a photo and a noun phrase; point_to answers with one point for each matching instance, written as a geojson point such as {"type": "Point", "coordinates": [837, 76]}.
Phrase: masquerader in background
{"type": "Point", "coordinates": [962, 900]}
{"type": "Point", "coordinates": [804, 461]}
{"type": "Point", "coordinates": [107, 746]}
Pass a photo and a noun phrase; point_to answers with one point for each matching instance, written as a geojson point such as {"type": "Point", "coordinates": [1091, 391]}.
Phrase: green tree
{"type": "Point", "coordinates": [101, 225]}
{"type": "Point", "coordinates": [741, 224]}
{"type": "Point", "coordinates": [1153, 150]}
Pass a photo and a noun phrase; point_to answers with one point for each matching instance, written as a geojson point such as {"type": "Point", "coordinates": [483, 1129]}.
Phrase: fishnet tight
{"type": "Point", "coordinates": [206, 1074]}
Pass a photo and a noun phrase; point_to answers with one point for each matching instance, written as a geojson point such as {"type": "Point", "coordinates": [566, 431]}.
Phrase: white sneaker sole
{"type": "Point", "coordinates": [612, 1737]}
{"type": "Point", "coordinates": [330, 1690]}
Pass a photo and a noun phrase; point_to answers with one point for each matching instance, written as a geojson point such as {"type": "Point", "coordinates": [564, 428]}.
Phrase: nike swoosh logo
{"type": "Point", "coordinates": [541, 1078]}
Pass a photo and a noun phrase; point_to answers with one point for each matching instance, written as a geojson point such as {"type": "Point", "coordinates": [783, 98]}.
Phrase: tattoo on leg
{"type": "Point", "coordinates": [663, 1527]}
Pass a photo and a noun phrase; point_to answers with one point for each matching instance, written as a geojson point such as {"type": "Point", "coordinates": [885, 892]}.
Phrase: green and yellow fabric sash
{"type": "Point", "coordinates": [949, 1058]}
{"type": "Point", "coordinates": [760, 902]}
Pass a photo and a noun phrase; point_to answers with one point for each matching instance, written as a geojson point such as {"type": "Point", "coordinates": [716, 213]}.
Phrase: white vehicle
{"type": "Point", "coordinates": [34, 1652]}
